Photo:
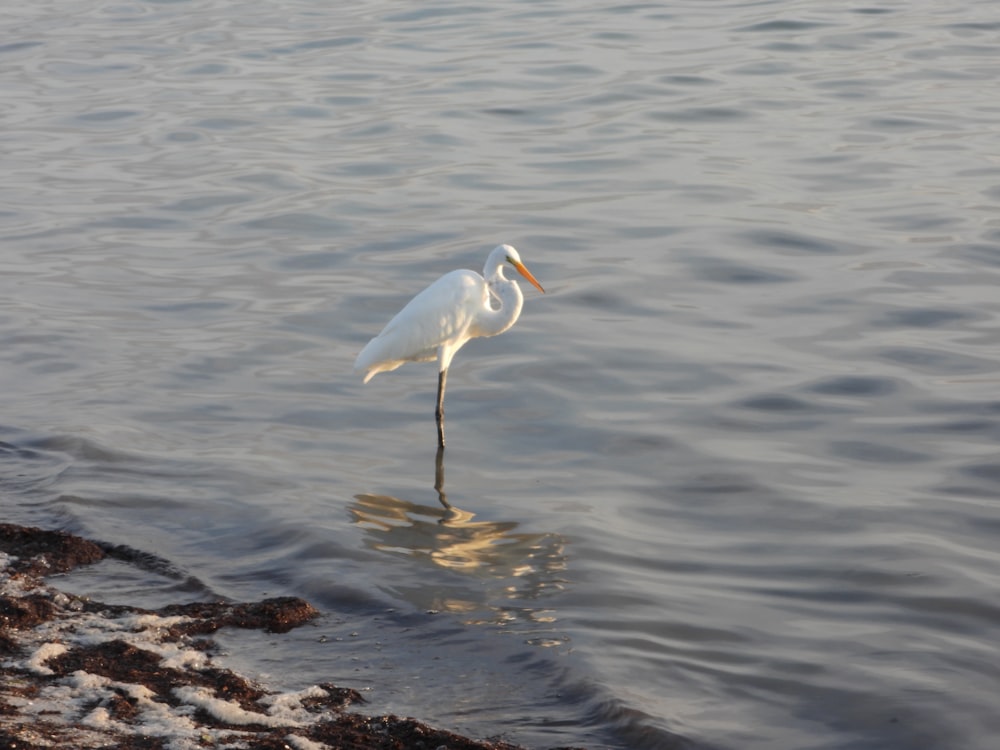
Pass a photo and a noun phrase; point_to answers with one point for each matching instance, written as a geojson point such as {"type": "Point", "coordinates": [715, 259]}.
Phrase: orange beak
{"type": "Point", "coordinates": [527, 274]}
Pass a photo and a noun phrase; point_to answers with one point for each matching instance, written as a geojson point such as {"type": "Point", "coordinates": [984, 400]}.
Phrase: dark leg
{"type": "Point", "coordinates": [439, 478]}
{"type": "Point", "coordinates": [439, 412]}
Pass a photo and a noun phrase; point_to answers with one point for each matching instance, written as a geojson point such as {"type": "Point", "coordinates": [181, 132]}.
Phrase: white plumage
{"type": "Point", "coordinates": [437, 322]}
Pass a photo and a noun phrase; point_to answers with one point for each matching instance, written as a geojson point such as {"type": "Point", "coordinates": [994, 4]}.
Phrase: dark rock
{"type": "Point", "coordinates": [29, 607]}
{"type": "Point", "coordinates": [42, 552]}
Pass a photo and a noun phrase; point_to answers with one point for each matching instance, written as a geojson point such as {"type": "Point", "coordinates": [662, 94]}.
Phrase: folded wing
{"type": "Point", "coordinates": [433, 324]}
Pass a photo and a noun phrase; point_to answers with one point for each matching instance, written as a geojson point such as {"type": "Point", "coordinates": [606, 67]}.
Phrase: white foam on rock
{"type": "Point", "coordinates": [72, 700]}
{"type": "Point", "coordinates": [100, 718]}
{"type": "Point", "coordinates": [227, 711]}
{"type": "Point", "coordinates": [303, 743]}
{"type": "Point", "coordinates": [36, 662]}
{"type": "Point", "coordinates": [79, 706]}
{"type": "Point", "coordinates": [145, 631]}
{"type": "Point", "coordinates": [288, 706]}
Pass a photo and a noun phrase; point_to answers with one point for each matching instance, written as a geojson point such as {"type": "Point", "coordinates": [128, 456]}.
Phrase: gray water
{"type": "Point", "coordinates": [731, 483]}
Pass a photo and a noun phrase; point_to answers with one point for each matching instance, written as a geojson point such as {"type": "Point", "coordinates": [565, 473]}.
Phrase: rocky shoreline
{"type": "Point", "coordinates": [79, 673]}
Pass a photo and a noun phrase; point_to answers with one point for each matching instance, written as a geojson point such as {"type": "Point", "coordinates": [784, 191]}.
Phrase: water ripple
{"type": "Point", "coordinates": [733, 475]}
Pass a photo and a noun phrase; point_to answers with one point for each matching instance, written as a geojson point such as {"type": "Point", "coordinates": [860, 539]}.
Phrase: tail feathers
{"type": "Point", "coordinates": [371, 370]}
{"type": "Point", "coordinates": [365, 362]}
{"type": "Point", "coordinates": [387, 353]}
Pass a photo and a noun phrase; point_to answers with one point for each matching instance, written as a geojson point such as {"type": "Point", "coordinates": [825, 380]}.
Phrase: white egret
{"type": "Point", "coordinates": [437, 322]}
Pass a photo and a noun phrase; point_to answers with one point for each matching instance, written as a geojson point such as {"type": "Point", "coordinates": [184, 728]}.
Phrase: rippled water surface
{"type": "Point", "coordinates": [732, 483]}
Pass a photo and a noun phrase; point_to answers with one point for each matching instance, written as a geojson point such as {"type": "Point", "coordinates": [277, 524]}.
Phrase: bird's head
{"type": "Point", "coordinates": [511, 256]}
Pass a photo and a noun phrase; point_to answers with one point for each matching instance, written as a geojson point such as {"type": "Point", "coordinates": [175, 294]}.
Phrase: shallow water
{"type": "Point", "coordinates": [732, 483]}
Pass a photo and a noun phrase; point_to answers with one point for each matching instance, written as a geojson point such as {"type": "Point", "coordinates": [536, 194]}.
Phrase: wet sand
{"type": "Point", "coordinates": [79, 673]}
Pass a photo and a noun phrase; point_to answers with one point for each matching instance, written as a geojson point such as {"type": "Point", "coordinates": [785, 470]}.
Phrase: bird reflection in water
{"type": "Point", "coordinates": [527, 565]}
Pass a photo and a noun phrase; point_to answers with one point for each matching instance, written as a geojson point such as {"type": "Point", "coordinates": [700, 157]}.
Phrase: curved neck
{"type": "Point", "coordinates": [508, 294]}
